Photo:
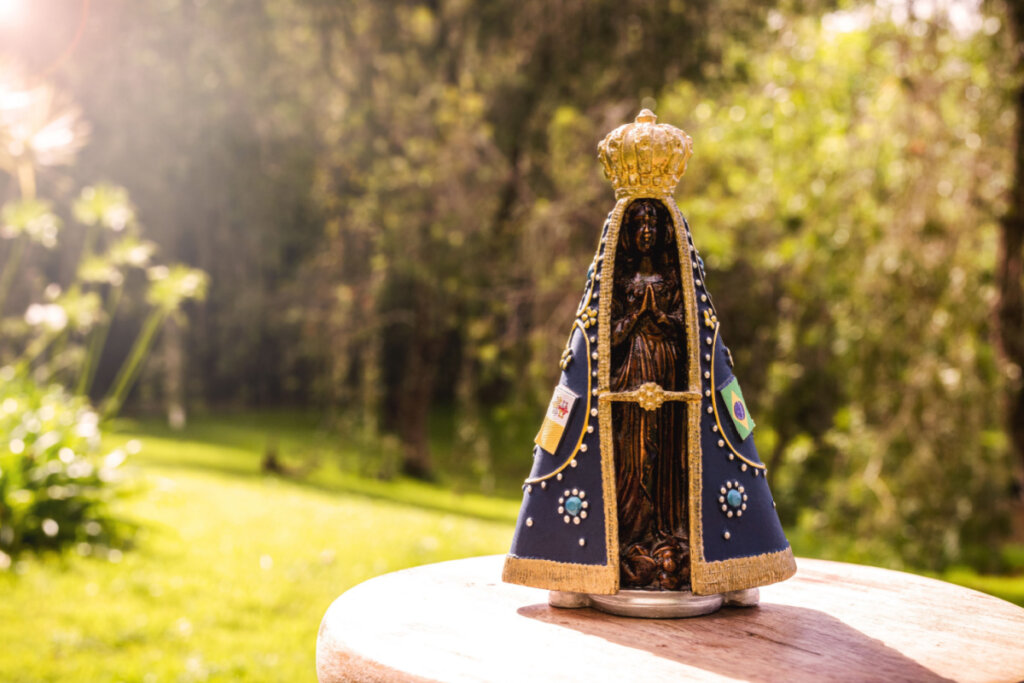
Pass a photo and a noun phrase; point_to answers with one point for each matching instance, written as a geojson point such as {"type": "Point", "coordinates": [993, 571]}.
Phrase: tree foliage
{"type": "Point", "coordinates": [851, 183]}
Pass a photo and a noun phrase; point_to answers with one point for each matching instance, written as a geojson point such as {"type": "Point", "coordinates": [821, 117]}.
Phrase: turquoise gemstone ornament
{"type": "Point", "coordinates": [573, 505]}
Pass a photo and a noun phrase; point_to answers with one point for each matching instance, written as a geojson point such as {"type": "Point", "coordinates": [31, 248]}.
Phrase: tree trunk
{"type": "Point", "coordinates": [174, 373]}
{"type": "Point", "coordinates": [1010, 304]}
{"type": "Point", "coordinates": [1010, 267]}
{"type": "Point", "coordinates": [417, 389]}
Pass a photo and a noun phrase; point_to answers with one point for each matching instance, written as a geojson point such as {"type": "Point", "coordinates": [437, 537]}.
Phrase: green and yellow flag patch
{"type": "Point", "coordinates": [732, 396]}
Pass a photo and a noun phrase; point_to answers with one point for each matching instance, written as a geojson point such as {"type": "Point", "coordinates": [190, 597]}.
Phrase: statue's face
{"type": "Point", "coordinates": [645, 225]}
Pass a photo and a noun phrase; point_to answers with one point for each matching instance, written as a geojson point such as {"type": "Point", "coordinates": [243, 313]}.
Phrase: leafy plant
{"type": "Point", "coordinates": [56, 485]}
{"type": "Point", "coordinates": [67, 324]}
{"type": "Point", "coordinates": [55, 488]}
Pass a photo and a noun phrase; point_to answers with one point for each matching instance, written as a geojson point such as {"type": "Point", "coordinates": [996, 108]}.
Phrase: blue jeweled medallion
{"type": "Point", "coordinates": [733, 498]}
{"type": "Point", "coordinates": [572, 507]}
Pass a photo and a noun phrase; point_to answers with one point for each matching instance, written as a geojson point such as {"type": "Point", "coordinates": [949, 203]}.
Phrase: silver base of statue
{"type": "Point", "coordinates": [655, 604]}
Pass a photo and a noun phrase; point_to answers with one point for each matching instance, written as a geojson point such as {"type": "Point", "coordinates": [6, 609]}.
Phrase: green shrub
{"type": "Point", "coordinates": [55, 483]}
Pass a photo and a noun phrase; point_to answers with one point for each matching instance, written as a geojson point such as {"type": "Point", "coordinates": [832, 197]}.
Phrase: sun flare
{"type": "Point", "coordinates": [10, 10]}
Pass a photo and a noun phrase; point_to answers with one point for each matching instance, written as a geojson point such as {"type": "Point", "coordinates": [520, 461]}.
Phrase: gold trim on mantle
{"type": "Point", "coordinates": [601, 579]}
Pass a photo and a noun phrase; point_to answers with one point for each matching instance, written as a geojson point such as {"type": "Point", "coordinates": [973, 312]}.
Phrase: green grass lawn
{"type": "Point", "coordinates": [234, 569]}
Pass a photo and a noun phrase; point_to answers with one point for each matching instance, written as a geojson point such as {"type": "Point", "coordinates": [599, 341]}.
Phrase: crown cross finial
{"type": "Point", "coordinates": [646, 116]}
{"type": "Point", "coordinates": [645, 158]}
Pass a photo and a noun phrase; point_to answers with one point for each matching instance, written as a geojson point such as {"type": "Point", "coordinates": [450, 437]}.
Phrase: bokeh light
{"type": "Point", "coordinates": [11, 11]}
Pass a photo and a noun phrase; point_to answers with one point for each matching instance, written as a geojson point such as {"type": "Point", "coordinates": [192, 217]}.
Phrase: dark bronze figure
{"type": "Point", "coordinates": [648, 345]}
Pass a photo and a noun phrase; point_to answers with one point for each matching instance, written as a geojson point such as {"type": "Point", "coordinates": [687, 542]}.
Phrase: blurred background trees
{"type": "Point", "coordinates": [396, 203]}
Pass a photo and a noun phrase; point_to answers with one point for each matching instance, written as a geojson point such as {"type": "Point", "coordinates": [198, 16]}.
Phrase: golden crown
{"type": "Point", "coordinates": [645, 158]}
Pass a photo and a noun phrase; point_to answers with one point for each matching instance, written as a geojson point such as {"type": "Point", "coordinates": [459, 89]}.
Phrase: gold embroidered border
{"type": "Point", "coordinates": [561, 576]}
{"type": "Point", "coordinates": [693, 415]}
{"type": "Point", "coordinates": [604, 409]}
{"type": "Point", "coordinates": [741, 572]}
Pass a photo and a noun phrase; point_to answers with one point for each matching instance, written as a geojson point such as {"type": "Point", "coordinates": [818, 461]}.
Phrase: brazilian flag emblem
{"type": "Point", "coordinates": [732, 396]}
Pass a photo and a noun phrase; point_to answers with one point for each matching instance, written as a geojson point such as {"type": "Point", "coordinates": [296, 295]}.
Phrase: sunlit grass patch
{"type": "Point", "coordinates": [231, 575]}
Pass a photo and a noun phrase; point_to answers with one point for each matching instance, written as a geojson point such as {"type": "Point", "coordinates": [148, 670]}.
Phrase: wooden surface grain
{"type": "Point", "coordinates": [456, 621]}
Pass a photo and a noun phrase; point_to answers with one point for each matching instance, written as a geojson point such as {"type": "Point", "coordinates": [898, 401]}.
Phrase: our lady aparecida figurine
{"type": "Point", "coordinates": [647, 496]}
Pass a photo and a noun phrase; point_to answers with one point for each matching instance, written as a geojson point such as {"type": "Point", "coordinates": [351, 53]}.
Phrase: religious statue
{"type": "Point", "coordinates": [647, 326]}
{"type": "Point", "coordinates": [647, 496]}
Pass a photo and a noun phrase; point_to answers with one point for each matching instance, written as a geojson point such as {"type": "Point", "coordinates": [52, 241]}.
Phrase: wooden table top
{"type": "Point", "coordinates": [456, 621]}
